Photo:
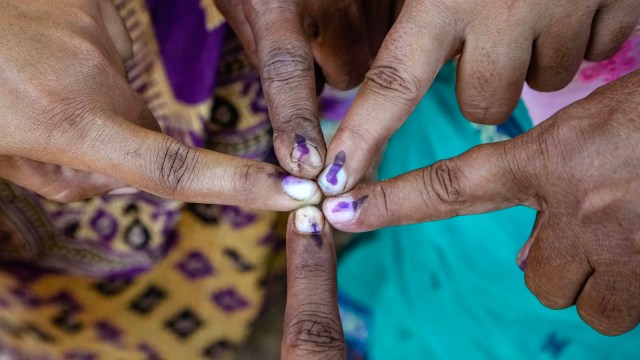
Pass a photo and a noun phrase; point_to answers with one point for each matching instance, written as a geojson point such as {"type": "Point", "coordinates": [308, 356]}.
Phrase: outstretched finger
{"type": "Point", "coordinates": [286, 67]}
{"type": "Point", "coordinates": [480, 180]}
{"type": "Point", "coordinates": [407, 63]}
{"type": "Point", "coordinates": [312, 327]}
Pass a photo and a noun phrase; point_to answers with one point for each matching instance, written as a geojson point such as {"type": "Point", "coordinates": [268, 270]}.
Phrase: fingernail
{"type": "Point", "coordinates": [124, 191]}
{"type": "Point", "coordinates": [333, 179]}
{"type": "Point", "coordinates": [522, 264]}
{"type": "Point", "coordinates": [302, 189]}
{"type": "Point", "coordinates": [342, 210]}
{"type": "Point", "coordinates": [309, 220]}
{"type": "Point", "coordinates": [305, 152]}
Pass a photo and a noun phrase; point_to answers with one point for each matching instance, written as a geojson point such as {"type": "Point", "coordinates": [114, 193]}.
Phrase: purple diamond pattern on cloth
{"type": "Point", "coordinates": [66, 302]}
{"type": "Point", "coordinates": [229, 300]}
{"type": "Point", "coordinates": [196, 265]}
{"type": "Point", "coordinates": [184, 323]}
{"type": "Point", "coordinates": [105, 226]}
{"type": "Point", "coordinates": [107, 332]}
{"type": "Point", "coordinates": [237, 217]}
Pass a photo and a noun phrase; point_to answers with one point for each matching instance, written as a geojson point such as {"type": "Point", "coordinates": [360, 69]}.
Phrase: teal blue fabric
{"type": "Point", "coordinates": [451, 289]}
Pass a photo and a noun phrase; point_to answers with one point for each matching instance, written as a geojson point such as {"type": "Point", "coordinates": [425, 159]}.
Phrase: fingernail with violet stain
{"type": "Point", "coordinates": [342, 210]}
{"type": "Point", "coordinates": [333, 179]}
{"type": "Point", "coordinates": [303, 152]}
{"type": "Point", "coordinates": [303, 190]}
{"type": "Point", "coordinates": [310, 220]}
{"type": "Point", "coordinates": [521, 260]}
{"type": "Point", "coordinates": [522, 264]}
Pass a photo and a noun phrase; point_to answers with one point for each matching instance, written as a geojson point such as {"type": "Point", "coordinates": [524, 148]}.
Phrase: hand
{"type": "Point", "coordinates": [579, 169]}
{"type": "Point", "coordinates": [312, 326]}
{"type": "Point", "coordinates": [68, 113]}
{"type": "Point", "coordinates": [298, 45]}
{"type": "Point", "coordinates": [501, 44]}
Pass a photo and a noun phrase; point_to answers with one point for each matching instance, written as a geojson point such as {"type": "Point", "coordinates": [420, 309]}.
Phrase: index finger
{"type": "Point", "coordinates": [161, 165]}
{"type": "Point", "coordinates": [312, 327]}
{"type": "Point", "coordinates": [288, 79]}
{"type": "Point", "coordinates": [407, 63]}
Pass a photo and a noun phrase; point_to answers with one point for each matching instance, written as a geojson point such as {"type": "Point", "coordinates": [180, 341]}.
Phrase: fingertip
{"type": "Point", "coordinates": [305, 158]}
{"type": "Point", "coordinates": [333, 180]}
{"type": "Point", "coordinates": [309, 220]}
{"type": "Point", "coordinates": [303, 190]}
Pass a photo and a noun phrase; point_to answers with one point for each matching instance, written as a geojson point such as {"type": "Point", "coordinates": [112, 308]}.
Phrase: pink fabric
{"type": "Point", "coordinates": [591, 76]}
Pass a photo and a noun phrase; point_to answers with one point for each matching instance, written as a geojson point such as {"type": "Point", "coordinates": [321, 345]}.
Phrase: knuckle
{"type": "Point", "coordinates": [393, 81]}
{"type": "Point", "coordinates": [294, 117]}
{"type": "Point", "coordinates": [604, 323]}
{"type": "Point", "coordinates": [311, 270]}
{"type": "Point", "coordinates": [245, 180]}
{"type": "Point", "coordinates": [286, 66]}
{"type": "Point", "coordinates": [174, 166]}
{"type": "Point", "coordinates": [382, 201]}
{"type": "Point", "coordinates": [442, 181]}
{"type": "Point", "coordinates": [313, 331]}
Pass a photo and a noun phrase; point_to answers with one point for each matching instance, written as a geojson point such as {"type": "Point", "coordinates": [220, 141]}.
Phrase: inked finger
{"type": "Point", "coordinates": [407, 63]}
{"type": "Point", "coordinates": [477, 181]}
{"type": "Point", "coordinates": [312, 326]}
{"type": "Point", "coordinates": [287, 72]}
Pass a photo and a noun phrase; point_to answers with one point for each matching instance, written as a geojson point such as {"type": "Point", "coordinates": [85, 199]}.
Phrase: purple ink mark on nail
{"type": "Point", "coordinates": [338, 163]}
{"type": "Point", "coordinates": [523, 265]}
{"type": "Point", "coordinates": [349, 205]}
{"type": "Point", "coordinates": [301, 145]}
{"type": "Point", "coordinates": [342, 206]}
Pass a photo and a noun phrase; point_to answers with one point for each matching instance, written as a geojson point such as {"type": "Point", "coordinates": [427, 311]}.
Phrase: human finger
{"type": "Point", "coordinates": [480, 180]}
{"type": "Point", "coordinates": [559, 50]}
{"type": "Point", "coordinates": [312, 326]}
{"type": "Point", "coordinates": [492, 71]}
{"type": "Point", "coordinates": [397, 80]}
{"type": "Point", "coordinates": [556, 269]}
{"type": "Point", "coordinates": [612, 26]}
{"type": "Point", "coordinates": [286, 67]}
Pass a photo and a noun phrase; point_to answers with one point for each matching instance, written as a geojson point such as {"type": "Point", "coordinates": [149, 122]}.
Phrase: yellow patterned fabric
{"type": "Point", "coordinates": [136, 276]}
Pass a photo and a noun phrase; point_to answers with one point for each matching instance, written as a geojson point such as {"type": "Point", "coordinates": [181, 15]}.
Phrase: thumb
{"type": "Point", "coordinates": [486, 178]}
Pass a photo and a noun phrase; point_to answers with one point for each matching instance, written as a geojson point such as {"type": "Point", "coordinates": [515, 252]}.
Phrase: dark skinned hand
{"type": "Point", "coordinates": [298, 45]}
{"type": "Point", "coordinates": [579, 169]}
{"type": "Point", "coordinates": [72, 127]}
{"type": "Point", "coordinates": [312, 326]}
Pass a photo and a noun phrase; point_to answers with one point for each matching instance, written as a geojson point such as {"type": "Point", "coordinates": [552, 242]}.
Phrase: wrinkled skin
{"type": "Point", "coordinates": [298, 45]}
{"type": "Point", "coordinates": [397, 48]}
{"type": "Point", "coordinates": [312, 325]}
{"type": "Point", "coordinates": [72, 127]}
{"type": "Point", "coordinates": [579, 169]}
